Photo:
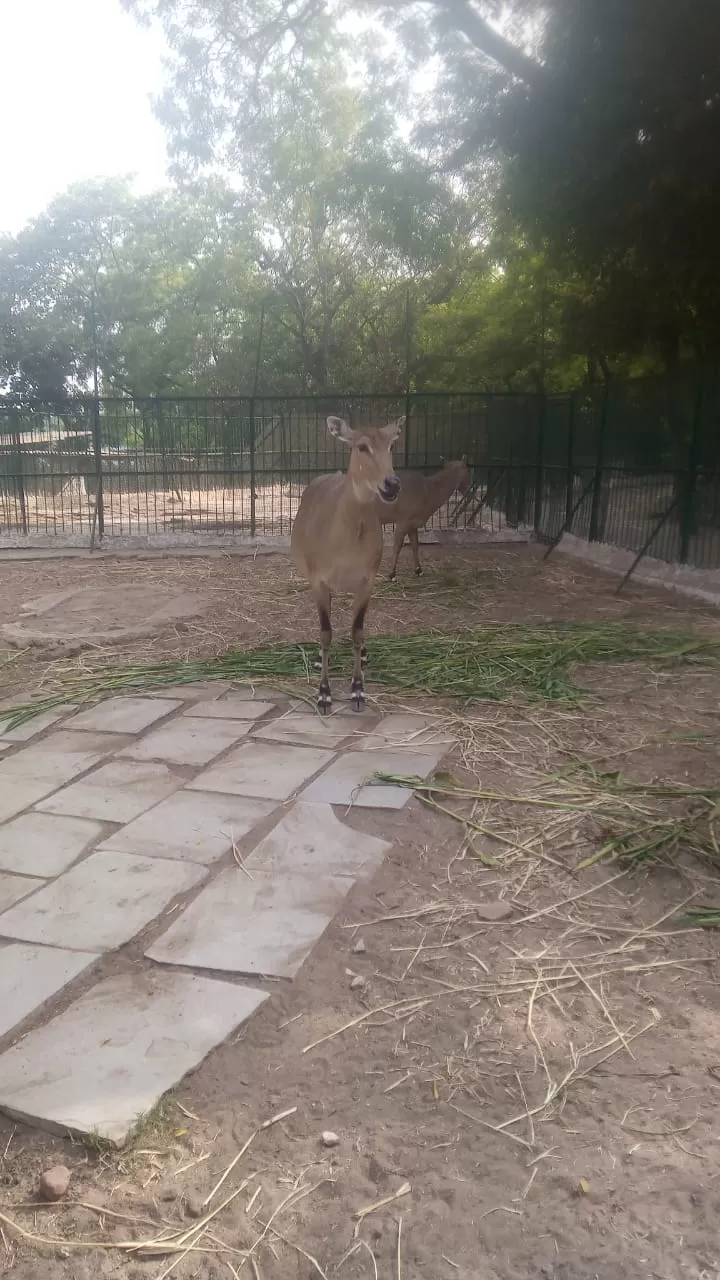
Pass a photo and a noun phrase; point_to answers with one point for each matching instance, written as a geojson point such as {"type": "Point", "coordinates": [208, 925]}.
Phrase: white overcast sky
{"type": "Point", "coordinates": [75, 89]}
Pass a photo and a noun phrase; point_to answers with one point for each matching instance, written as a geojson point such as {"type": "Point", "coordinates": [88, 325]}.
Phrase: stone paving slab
{"type": "Point", "coordinates": [188, 741]}
{"type": "Point", "coordinates": [99, 904]}
{"type": "Point", "coordinates": [117, 792]}
{"type": "Point", "coordinates": [31, 975]}
{"type": "Point", "coordinates": [343, 782]}
{"type": "Point", "coordinates": [16, 796]}
{"type": "Point", "coordinates": [68, 742]}
{"type": "Point", "coordinates": [198, 689]}
{"type": "Point", "coordinates": [190, 826]}
{"type": "Point", "coordinates": [125, 714]}
{"type": "Point", "coordinates": [13, 888]}
{"type": "Point", "coordinates": [262, 769]}
{"type": "Point", "coordinates": [311, 840]}
{"type": "Point", "coordinates": [38, 724]}
{"type": "Point", "coordinates": [266, 925]}
{"type": "Point", "coordinates": [35, 764]}
{"type": "Point", "coordinates": [44, 844]}
{"type": "Point", "coordinates": [403, 732]}
{"type": "Point", "coordinates": [309, 729]}
{"type": "Point", "coordinates": [234, 707]}
{"type": "Point", "coordinates": [105, 1061]}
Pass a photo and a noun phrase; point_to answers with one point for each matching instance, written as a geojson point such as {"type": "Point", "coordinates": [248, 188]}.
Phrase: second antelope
{"type": "Point", "coordinates": [420, 497]}
{"type": "Point", "coordinates": [337, 538]}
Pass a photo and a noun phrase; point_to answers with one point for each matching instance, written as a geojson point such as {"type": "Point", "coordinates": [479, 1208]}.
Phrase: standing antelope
{"type": "Point", "coordinates": [420, 497]}
{"type": "Point", "coordinates": [337, 539]}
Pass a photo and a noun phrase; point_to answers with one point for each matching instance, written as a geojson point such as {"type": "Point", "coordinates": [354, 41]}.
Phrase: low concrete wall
{"type": "Point", "coordinates": [17, 545]}
{"type": "Point", "coordinates": [701, 584]}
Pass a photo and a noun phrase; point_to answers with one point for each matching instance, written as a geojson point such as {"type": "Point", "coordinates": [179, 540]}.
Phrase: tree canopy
{"type": "Point", "coordinates": [535, 188]}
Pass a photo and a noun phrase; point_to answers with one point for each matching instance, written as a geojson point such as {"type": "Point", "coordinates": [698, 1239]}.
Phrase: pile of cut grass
{"type": "Point", "coordinates": [628, 823]}
{"type": "Point", "coordinates": [505, 661]}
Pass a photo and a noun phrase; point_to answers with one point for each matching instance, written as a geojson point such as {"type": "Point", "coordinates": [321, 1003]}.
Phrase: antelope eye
{"type": "Point", "coordinates": [363, 448]}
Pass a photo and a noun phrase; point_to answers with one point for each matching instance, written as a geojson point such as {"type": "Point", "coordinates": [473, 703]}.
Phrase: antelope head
{"type": "Point", "coordinates": [371, 468]}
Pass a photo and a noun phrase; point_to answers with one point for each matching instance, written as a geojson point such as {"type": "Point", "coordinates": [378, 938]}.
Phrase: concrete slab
{"type": "Point", "coordinates": [312, 840]}
{"type": "Point", "coordinates": [43, 844]}
{"type": "Point", "coordinates": [67, 741]}
{"type": "Point", "coordinates": [32, 774]}
{"type": "Point", "coordinates": [234, 707]}
{"type": "Point", "coordinates": [265, 925]}
{"type": "Point", "coordinates": [262, 769]}
{"type": "Point", "coordinates": [209, 689]}
{"type": "Point", "coordinates": [101, 614]}
{"type": "Point", "coordinates": [31, 728]}
{"type": "Point", "coordinates": [402, 732]}
{"type": "Point", "coordinates": [31, 975]}
{"type": "Point", "coordinates": [117, 792]}
{"type": "Point", "coordinates": [16, 796]}
{"type": "Point", "coordinates": [125, 715]}
{"type": "Point", "coordinates": [190, 826]}
{"type": "Point", "coordinates": [101, 903]}
{"type": "Point", "coordinates": [35, 764]}
{"type": "Point", "coordinates": [105, 1061]}
{"type": "Point", "coordinates": [188, 741]}
{"type": "Point", "coordinates": [343, 783]}
{"type": "Point", "coordinates": [252, 690]}
{"type": "Point", "coordinates": [13, 888]}
{"type": "Point", "coordinates": [306, 728]}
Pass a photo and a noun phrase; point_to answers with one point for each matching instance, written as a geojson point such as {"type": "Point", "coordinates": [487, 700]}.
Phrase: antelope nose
{"type": "Point", "coordinates": [390, 488]}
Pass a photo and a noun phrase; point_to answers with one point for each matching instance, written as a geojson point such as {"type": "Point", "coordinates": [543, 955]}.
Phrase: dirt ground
{"type": "Point", "coordinates": [525, 1087]}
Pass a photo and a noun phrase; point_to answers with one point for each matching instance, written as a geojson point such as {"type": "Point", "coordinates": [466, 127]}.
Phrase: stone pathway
{"type": "Point", "coordinates": [113, 817]}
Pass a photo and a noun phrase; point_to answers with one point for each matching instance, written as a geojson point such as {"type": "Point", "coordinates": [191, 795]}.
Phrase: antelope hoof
{"type": "Point", "coordinates": [418, 572]}
{"type": "Point", "coordinates": [324, 700]}
{"type": "Point", "coordinates": [357, 695]}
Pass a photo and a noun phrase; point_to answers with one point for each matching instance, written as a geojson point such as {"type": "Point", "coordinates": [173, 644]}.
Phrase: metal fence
{"type": "Point", "coordinates": [225, 465]}
{"type": "Point", "coordinates": [632, 463]}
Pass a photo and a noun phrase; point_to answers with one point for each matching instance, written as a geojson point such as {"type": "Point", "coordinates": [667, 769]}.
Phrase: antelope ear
{"type": "Point", "coordinates": [392, 430]}
{"type": "Point", "coordinates": [339, 428]}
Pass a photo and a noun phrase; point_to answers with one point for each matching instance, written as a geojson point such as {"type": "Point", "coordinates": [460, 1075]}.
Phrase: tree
{"type": "Point", "coordinates": [600, 120]}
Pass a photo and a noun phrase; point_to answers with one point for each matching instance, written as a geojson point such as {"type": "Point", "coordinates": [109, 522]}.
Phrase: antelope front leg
{"type": "Point", "coordinates": [357, 689]}
{"type": "Point", "coordinates": [324, 698]}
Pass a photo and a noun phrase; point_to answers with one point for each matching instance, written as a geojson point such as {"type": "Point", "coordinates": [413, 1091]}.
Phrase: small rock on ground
{"type": "Point", "coordinates": [493, 910]}
{"type": "Point", "coordinates": [55, 1182]}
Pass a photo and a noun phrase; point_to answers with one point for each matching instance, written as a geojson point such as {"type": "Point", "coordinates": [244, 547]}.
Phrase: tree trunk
{"type": "Point", "coordinates": [488, 41]}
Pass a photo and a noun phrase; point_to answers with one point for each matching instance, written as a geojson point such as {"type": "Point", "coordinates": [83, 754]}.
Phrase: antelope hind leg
{"type": "Point", "coordinates": [357, 688]}
{"type": "Point", "coordinates": [324, 698]}
{"type": "Point", "coordinates": [415, 545]}
{"type": "Point", "coordinates": [397, 548]}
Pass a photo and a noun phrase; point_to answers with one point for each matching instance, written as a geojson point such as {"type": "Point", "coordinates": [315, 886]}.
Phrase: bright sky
{"type": "Point", "coordinates": [75, 89]}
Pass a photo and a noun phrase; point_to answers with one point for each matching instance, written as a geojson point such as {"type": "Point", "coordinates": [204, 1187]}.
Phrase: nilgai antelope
{"type": "Point", "coordinates": [337, 539]}
{"type": "Point", "coordinates": [420, 497]}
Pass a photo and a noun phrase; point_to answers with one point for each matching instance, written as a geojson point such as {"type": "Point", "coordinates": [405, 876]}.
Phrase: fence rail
{"type": "Point", "coordinates": [627, 463]}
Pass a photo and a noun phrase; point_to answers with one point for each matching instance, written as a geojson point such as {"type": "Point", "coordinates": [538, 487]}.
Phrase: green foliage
{"type": "Point", "coordinates": [542, 202]}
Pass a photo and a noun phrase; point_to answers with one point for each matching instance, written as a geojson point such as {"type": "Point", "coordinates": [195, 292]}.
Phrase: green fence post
{"type": "Point", "coordinates": [252, 467]}
{"type": "Point", "coordinates": [687, 517]}
{"type": "Point", "coordinates": [539, 464]}
{"type": "Point", "coordinates": [99, 517]}
{"type": "Point", "coordinates": [596, 526]}
{"type": "Point", "coordinates": [19, 470]}
{"type": "Point", "coordinates": [570, 471]}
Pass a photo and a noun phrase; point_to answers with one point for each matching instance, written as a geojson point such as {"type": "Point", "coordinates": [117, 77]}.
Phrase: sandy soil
{"type": "Point", "coordinates": [546, 1081]}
